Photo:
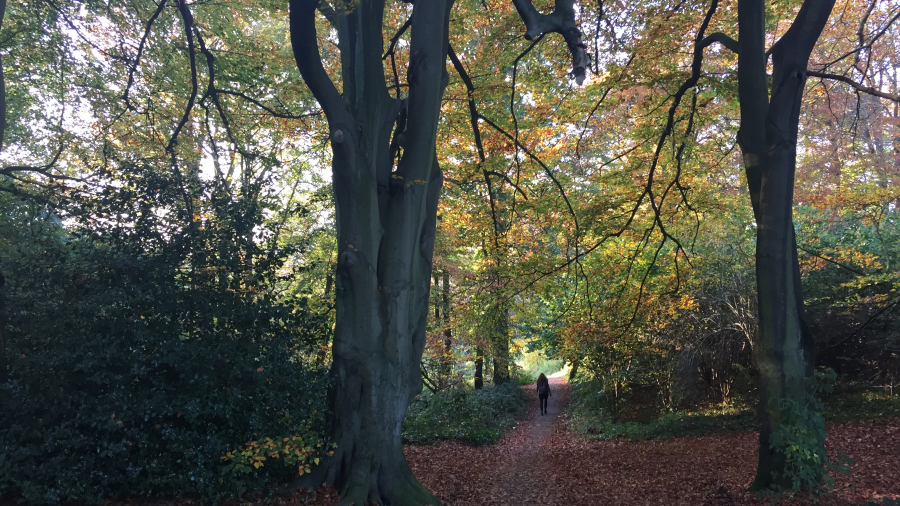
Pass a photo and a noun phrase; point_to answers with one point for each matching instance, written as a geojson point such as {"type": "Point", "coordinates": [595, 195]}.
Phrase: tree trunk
{"type": "Point", "coordinates": [574, 371]}
{"type": "Point", "coordinates": [479, 366]}
{"type": "Point", "coordinates": [4, 371]}
{"type": "Point", "coordinates": [385, 233]}
{"type": "Point", "coordinates": [447, 358]}
{"type": "Point", "coordinates": [322, 352]}
{"type": "Point", "coordinates": [2, 84]}
{"type": "Point", "coordinates": [768, 139]}
{"type": "Point", "coordinates": [500, 343]}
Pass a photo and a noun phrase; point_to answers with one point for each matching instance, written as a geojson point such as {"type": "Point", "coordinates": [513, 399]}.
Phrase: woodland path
{"type": "Point", "coordinates": [542, 463]}
{"type": "Point", "coordinates": [518, 483]}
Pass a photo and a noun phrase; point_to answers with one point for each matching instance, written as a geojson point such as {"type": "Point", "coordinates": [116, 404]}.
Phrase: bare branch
{"type": "Point", "coordinates": [831, 260]}
{"type": "Point", "coordinates": [476, 132]}
{"type": "Point", "coordinates": [188, 20]}
{"type": "Point", "coordinates": [508, 180]}
{"type": "Point", "coordinates": [858, 86]}
{"type": "Point", "coordinates": [140, 51]}
{"type": "Point", "coordinates": [547, 170]}
{"type": "Point", "coordinates": [43, 170]}
{"type": "Point", "coordinates": [269, 110]}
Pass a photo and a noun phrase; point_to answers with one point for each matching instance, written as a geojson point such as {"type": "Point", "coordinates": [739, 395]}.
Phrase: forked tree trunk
{"type": "Point", "coordinates": [385, 232]}
{"type": "Point", "coordinates": [768, 140]}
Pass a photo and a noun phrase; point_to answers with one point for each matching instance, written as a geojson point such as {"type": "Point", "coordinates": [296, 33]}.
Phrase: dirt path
{"type": "Point", "coordinates": [518, 484]}
{"type": "Point", "coordinates": [541, 463]}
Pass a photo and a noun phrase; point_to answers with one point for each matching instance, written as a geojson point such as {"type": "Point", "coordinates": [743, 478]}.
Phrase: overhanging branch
{"type": "Point", "coordinates": [857, 86]}
{"type": "Point", "coordinates": [561, 21]}
{"type": "Point", "coordinates": [137, 59]}
{"type": "Point", "coordinates": [729, 43]}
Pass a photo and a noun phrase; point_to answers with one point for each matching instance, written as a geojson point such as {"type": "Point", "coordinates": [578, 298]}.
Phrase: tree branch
{"type": "Point", "coordinates": [476, 132]}
{"type": "Point", "coordinates": [43, 170]}
{"type": "Point", "coordinates": [561, 21]}
{"type": "Point", "coordinates": [390, 52]}
{"type": "Point", "coordinates": [188, 20]}
{"type": "Point", "coordinates": [508, 180]}
{"type": "Point", "coordinates": [309, 60]}
{"type": "Point", "coordinates": [539, 162]}
{"type": "Point", "coordinates": [858, 86]}
{"type": "Point", "coordinates": [831, 260]}
{"type": "Point", "coordinates": [269, 110]}
{"type": "Point", "coordinates": [140, 51]}
{"type": "Point", "coordinates": [729, 43]}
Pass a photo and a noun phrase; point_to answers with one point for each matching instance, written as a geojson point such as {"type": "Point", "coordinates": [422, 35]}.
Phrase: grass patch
{"type": "Point", "coordinates": [681, 423]}
{"type": "Point", "coordinates": [535, 363]}
{"type": "Point", "coordinates": [464, 414]}
{"type": "Point", "coordinates": [839, 408]}
{"type": "Point", "coordinates": [851, 406]}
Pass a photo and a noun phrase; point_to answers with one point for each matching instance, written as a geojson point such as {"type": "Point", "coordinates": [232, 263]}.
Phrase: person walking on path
{"type": "Point", "coordinates": [543, 391]}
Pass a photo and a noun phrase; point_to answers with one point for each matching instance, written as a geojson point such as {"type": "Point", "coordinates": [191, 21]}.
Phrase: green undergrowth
{"type": "Point", "coordinates": [847, 407]}
{"type": "Point", "coordinates": [839, 408]}
{"type": "Point", "coordinates": [596, 425]}
{"type": "Point", "coordinates": [465, 414]}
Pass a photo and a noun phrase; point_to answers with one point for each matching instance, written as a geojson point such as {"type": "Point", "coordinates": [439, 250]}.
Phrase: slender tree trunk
{"type": "Point", "coordinates": [447, 358]}
{"type": "Point", "coordinates": [479, 366]}
{"type": "Point", "coordinates": [768, 140]}
{"type": "Point", "coordinates": [385, 237]}
{"type": "Point", "coordinates": [2, 84]}
{"type": "Point", "coordinates": [574, 371]}
{"type": "Point", "coordinates": [4, 371]}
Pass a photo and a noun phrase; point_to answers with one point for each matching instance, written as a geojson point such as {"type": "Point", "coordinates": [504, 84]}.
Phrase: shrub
{"type": "Point", "coordinates": [799, 439]}
{"type": "Point", "coordinates": [476, 416]}
{"type": "Point", "coordinates": [133, 372]}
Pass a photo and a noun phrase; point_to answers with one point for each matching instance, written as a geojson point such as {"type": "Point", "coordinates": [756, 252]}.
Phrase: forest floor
{"type": "Point", "coordinates": [542, 463]}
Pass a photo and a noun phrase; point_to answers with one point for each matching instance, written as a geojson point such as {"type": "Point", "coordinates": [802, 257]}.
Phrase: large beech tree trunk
{"type": "Point", "coordinates": [768, 139]}
{"type": "Point", "coordinates": [385, 226]}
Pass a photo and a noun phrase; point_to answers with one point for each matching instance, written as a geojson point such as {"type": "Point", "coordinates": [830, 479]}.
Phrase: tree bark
{"type": "Point", "coordinates": [768, 140]}
{"type": "Point", "coordinates": [500, 342]}
{"type": "Point", "coordinates": [385, 231]}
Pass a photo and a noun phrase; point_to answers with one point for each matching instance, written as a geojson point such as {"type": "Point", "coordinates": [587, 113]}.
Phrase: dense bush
{"type": "Point", "coordinates": [134, 367]}
{"type": "Point", "coordinates": [476, 416]}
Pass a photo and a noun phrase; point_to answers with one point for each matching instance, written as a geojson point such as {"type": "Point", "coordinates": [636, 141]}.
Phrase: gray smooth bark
{"type": "Point", "coordinates": [385, 226]}
{"type": "Point", "coordinates": [768, 140]}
